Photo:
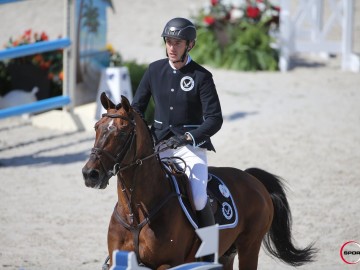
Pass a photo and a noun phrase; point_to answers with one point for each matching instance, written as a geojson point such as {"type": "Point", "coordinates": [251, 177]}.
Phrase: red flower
{"type": "Point", "coordinates": [276, 8]}
{"type": "Point", "coordinates": [214, 2]}
{"type": "Point", "coordinates": [27, 33]}
{"type": "Point", "coordinates": [209, 20]}
{"type": "Point", "coordinates": [50, 76]}
{"type": "Point", "coordinates": [38, 58]}
{"type": "Point", "coordinates": [252, 12]}
{"type": "Point", "coordinates": [45, 65]}
{"type": "Point", "coordinates": [44, 36]}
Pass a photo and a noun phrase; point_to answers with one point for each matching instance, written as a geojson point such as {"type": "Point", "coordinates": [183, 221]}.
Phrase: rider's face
{"type": "Point", "coordinates": [175, 48]}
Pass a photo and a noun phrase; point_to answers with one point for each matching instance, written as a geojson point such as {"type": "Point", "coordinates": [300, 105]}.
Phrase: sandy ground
{"type": "Point", "coordinates": [303, 125]}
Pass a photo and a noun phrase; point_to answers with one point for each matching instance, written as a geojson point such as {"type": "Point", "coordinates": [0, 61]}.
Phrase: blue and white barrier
{"type": "Point", "coordinates": [8, 1]}
{"type": "Point", "coordinates": [38, 106]}
{"type": "Point", "coordinates": [124, 260]}
{"type": "Point", "coordinates": [31, 49]}
{"type": "Point", "coordinates": [34, 48]}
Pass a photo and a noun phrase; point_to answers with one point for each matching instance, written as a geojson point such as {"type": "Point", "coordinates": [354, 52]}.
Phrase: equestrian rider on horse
{"type": "Point", "coordinates": [187, 109]}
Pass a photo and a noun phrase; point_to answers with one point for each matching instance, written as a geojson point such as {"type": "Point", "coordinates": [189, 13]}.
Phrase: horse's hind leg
{"type": "Point", "coordinates": [227, 260]}
{"type": "Point", "coordinates": [248, 253]}
{"type": "Point", "coordinates": [227, 263]}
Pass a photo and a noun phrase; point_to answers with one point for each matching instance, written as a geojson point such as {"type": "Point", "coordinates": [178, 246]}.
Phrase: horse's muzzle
{"type": "Point", "coordinates": [92, 178]}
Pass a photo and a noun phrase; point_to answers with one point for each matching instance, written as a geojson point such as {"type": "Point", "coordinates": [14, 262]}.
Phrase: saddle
{"type": "Point", "coordinates": [221, 200]}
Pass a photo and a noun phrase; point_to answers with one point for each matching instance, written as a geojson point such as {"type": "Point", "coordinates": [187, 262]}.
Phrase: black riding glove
{"type": "Point", "coordinates": [177, 141]}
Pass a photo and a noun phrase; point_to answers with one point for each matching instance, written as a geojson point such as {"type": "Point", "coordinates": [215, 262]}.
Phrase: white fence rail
{"type": "Point", "coordinates": [307, 29]}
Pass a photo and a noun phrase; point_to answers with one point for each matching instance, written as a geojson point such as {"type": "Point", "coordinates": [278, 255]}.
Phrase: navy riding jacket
{"type": "Point", "coordinates": [186, 101]}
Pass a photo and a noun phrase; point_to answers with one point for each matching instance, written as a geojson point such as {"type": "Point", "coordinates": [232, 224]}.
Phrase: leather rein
{"type": "Point", "coordinates": [117, 168]}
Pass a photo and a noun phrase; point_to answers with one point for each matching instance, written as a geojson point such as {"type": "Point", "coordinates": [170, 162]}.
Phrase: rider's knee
{"type": "Point", "coordinates": [200, 202]}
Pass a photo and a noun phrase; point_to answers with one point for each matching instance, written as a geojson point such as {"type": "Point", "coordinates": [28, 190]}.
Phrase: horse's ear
{"type": "Point", "coordinates": [106, 102]}
{"type": "Point", "coordinates": [125, 103]}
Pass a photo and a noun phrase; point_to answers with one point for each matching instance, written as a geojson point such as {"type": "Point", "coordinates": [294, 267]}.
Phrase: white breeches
{"type": "Point", "coordinates": [196, 170]}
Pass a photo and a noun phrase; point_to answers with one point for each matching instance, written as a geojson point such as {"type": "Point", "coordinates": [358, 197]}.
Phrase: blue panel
{"type": "Point", "coordinates": [38, 106]}
{"type": "Point", "coordinates": [34, 48]}
{"type": "Point", "coordinates": [8, 1]}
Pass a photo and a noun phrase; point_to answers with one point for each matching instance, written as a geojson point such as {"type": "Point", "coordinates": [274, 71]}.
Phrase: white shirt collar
{"type": "Point", "coordinates": [187, 62]}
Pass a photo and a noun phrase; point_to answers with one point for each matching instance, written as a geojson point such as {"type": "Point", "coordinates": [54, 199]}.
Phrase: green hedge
{"type": "Point", "coordinates": [247, 48]}
{"type": "Point", "coordinates": [136, 73]}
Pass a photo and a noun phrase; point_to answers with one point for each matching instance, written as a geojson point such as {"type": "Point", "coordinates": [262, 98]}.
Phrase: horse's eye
{"type": "Point", "coordinates": [111, 127]}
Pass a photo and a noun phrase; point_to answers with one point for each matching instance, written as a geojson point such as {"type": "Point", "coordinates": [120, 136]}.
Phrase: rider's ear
{"type": "Point", "coordinates": [106, 102]}
{"type": "Point", "coordinates": [191, 45]}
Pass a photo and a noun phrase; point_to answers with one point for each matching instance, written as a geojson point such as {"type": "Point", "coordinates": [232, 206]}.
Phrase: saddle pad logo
{"type": "Point", "coordinates": [187, 83]}
{"type": "Point", "coordinates": [227, 210]}
{"type": "Point", "coordinates": [224, 191]}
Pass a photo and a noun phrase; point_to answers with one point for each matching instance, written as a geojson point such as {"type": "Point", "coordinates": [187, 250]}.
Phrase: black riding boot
{"type": "Point", "coordinates": [206, 218]}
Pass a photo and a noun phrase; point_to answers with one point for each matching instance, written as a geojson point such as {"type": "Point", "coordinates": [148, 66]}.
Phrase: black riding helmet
{"type": "Point", "coordinates": [180, 28]}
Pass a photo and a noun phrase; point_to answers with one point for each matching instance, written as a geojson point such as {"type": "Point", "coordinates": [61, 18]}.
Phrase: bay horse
{"type": "Point", "coordinates": [148, 218]}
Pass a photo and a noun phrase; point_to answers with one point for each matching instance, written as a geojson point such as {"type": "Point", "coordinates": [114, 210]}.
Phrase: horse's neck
{"type": "Point", "coordinates": [145, 183]}
{"type": "Point", "coordinates": [141, 189]}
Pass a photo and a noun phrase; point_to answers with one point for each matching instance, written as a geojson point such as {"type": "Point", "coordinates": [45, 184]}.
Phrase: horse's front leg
{"type": "Point", "coordinates": [118, 238]}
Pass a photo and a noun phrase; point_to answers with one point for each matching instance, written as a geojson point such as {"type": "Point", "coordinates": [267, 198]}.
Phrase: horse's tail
{"type": "Point", "coordinates": [278, 241]}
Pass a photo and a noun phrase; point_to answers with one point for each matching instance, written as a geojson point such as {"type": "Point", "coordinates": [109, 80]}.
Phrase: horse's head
{"type": "Point", "coordinates": [115, 143]}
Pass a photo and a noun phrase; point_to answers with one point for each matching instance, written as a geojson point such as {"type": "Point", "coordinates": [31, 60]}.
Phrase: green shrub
{"type": "Point", "coordinates": [237, 36]}
{"type": "Point", "coordinates": [136, 73]}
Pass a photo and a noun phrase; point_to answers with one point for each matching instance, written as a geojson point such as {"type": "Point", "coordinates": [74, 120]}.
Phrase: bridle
{"type": "Point", "coordinates": [116, 168]}
{"type": "Point", "coordinates": [97, 152]}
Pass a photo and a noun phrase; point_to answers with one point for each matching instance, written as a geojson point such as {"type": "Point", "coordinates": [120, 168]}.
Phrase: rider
{"type": "Point", "coordinates": [187, 108]}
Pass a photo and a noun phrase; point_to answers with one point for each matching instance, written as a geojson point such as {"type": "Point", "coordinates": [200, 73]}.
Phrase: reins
{"type": "Point", "coordinates": [140, 160]}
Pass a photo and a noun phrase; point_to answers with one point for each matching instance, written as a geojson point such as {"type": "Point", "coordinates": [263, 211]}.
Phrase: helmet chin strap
{"type": "Point", "coordinates": [182, 59]}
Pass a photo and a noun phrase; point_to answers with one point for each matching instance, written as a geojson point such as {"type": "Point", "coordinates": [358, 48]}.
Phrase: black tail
{"type": "Point", "coordinates": [278, 241]}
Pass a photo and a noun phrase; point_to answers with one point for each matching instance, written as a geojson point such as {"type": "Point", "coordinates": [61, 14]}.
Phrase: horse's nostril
{"type": "Point", "coordinates": [94, 174]}
{"type": "Point", "coordinates": [90, 174]}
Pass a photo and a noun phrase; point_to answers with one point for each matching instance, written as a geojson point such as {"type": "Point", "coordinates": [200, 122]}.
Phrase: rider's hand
{"type": "Point", "coordinates": [177, 141]}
